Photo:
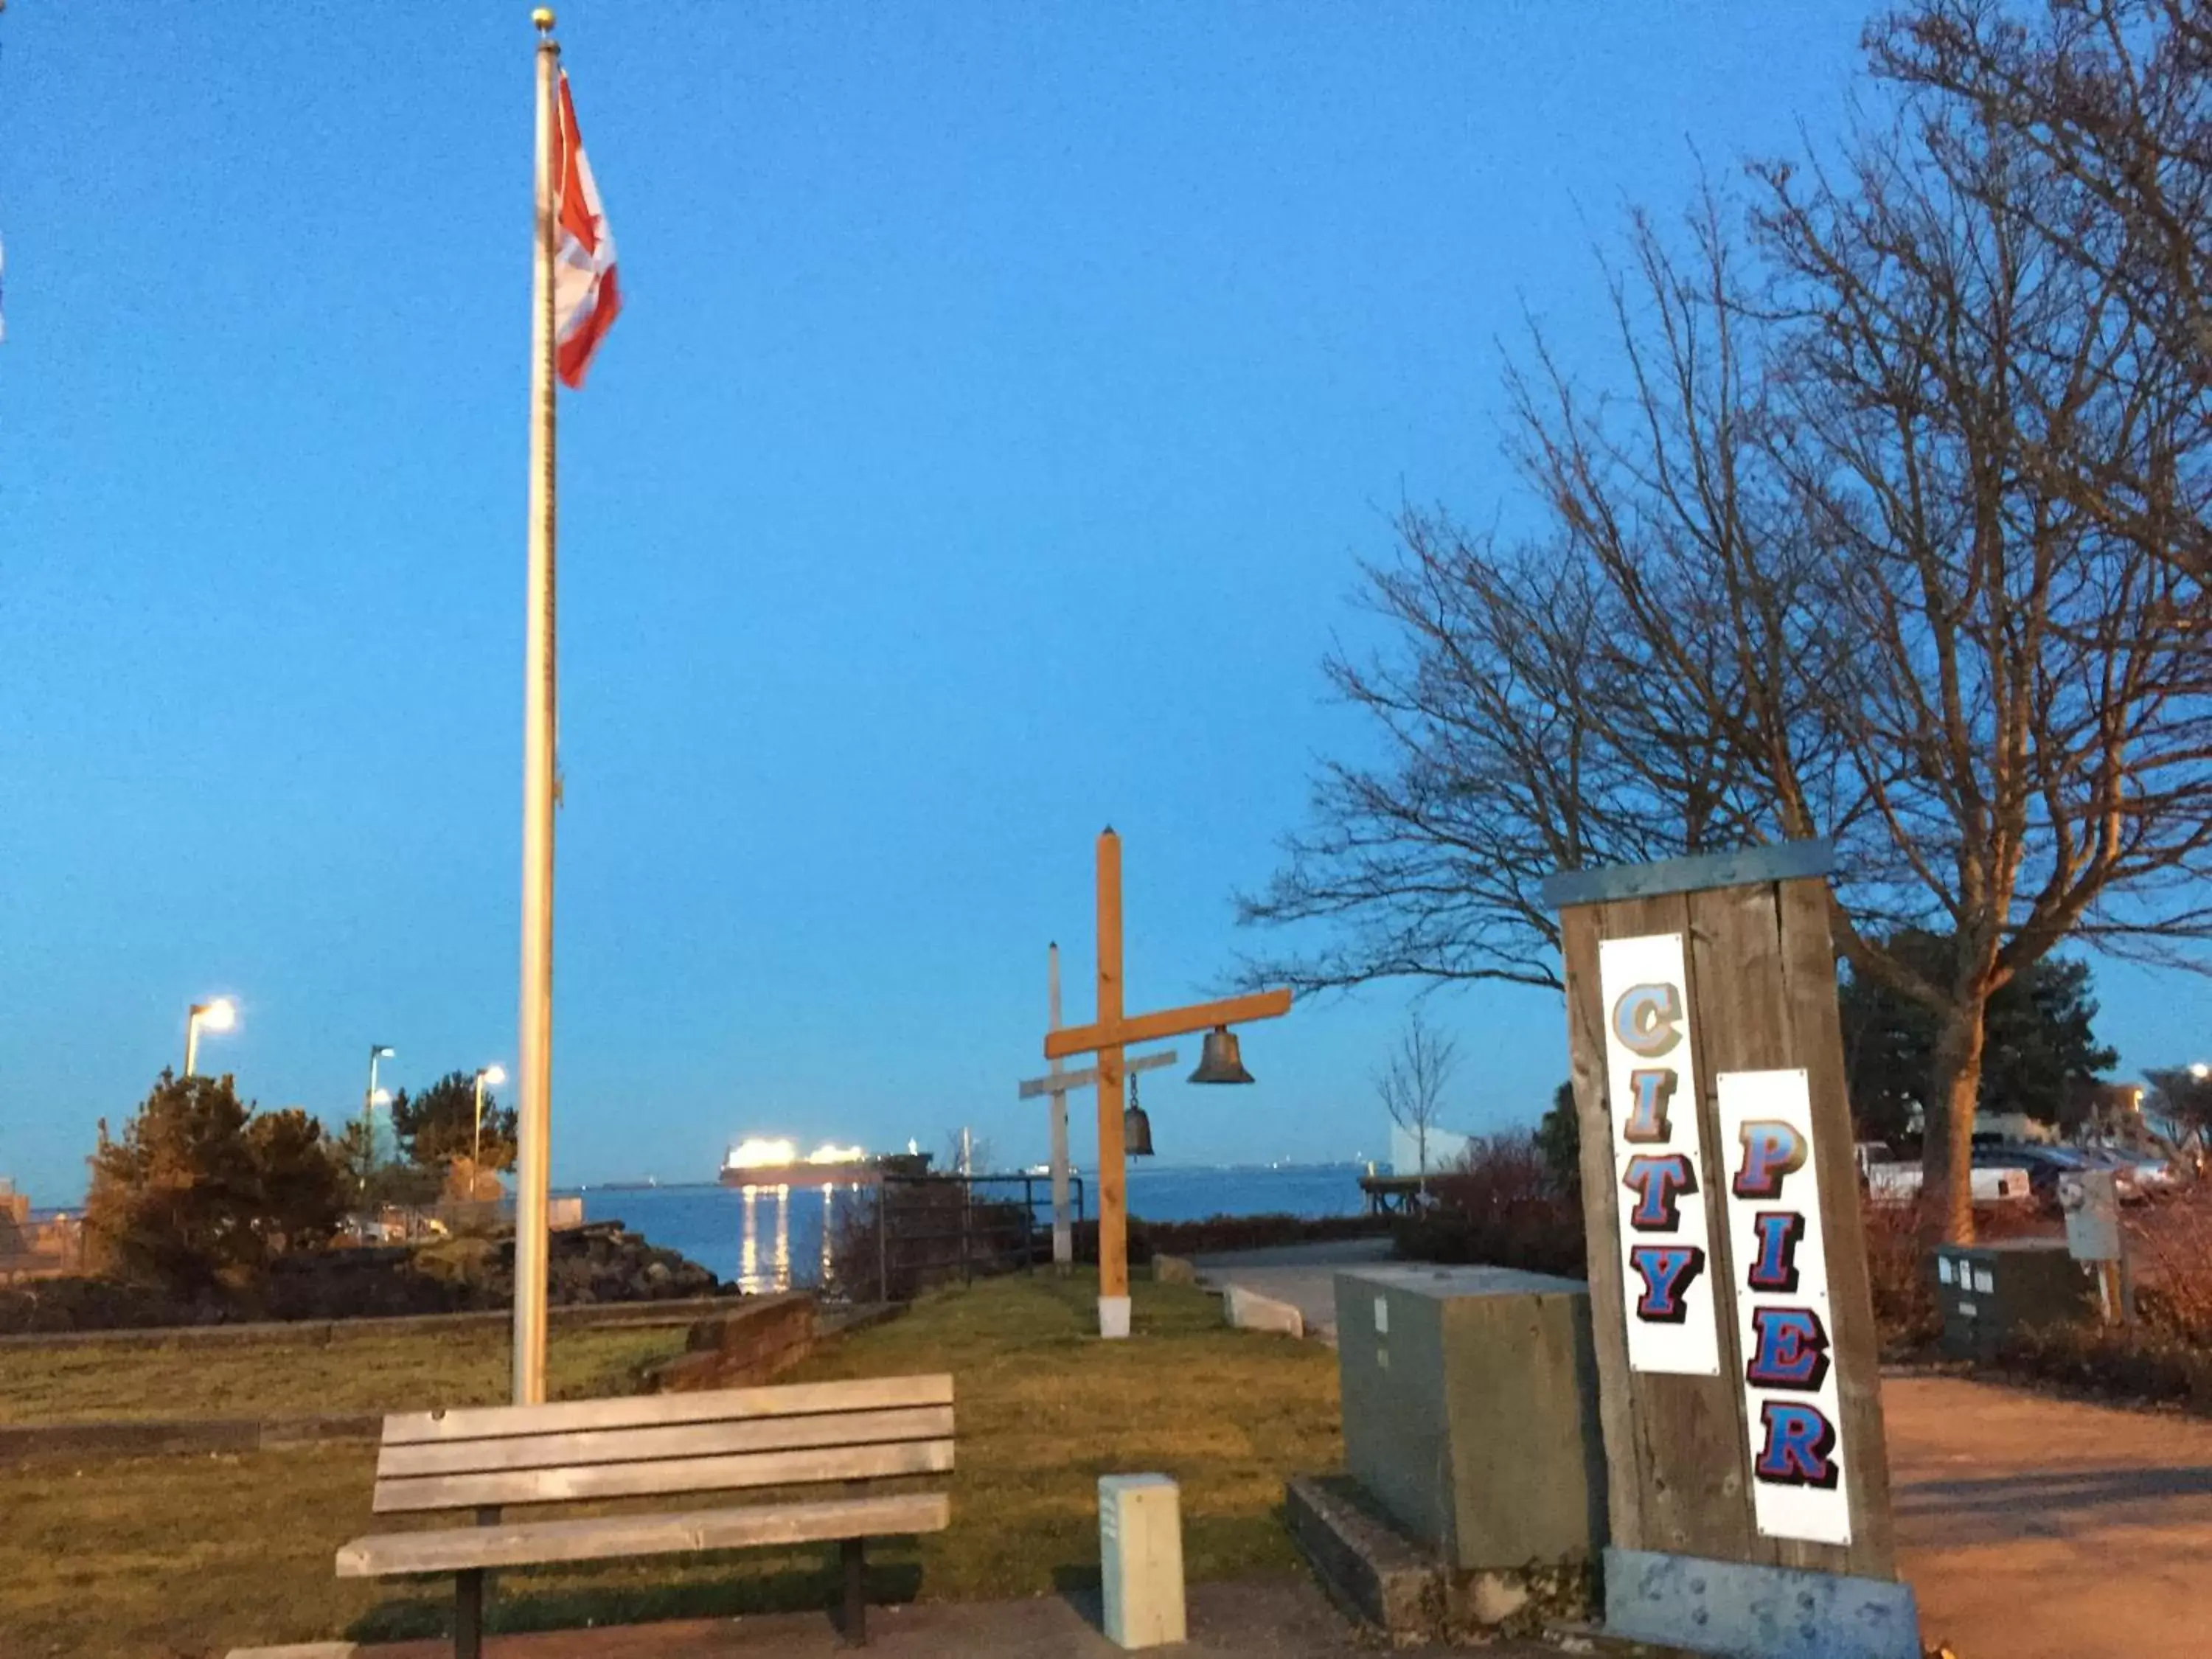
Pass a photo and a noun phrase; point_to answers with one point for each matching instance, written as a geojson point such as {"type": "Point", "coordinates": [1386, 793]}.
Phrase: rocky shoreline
{"type": "Point", "coordinates": [600, 1262]}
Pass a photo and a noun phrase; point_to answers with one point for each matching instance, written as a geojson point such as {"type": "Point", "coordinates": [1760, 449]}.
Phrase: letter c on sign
{"type": "Point", "coordinates": [1645, 1020]}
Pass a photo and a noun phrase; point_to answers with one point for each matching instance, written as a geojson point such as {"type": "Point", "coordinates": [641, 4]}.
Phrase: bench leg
{"type": "Point", "coordinates": [468, 1615]}
{"type": "Point", "coordinates": [855, 1552]}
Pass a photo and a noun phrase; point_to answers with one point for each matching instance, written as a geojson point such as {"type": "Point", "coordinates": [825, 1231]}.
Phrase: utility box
{"type": "Point", "coordinates": [1986, 1291]}
{"type": "Point", "coordinates": [1470, 1411]}
{"type": "Point", "coordinates": [1140, 1559]}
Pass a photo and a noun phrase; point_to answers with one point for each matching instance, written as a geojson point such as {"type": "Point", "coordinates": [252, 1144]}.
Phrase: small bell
{"type": "Point", "coordinates": [1136, 1127]}
{"type": "Point", "coordinates": [1219, 1062]}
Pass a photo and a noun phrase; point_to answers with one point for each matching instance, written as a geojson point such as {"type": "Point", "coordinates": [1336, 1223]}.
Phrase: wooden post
{"type": "Point", "coordinates": [1698, 1471]}
{"type": "Point", "coordinates": [1112, 1196]}
{"type": "Point", "coordinates": [1063, 1231]}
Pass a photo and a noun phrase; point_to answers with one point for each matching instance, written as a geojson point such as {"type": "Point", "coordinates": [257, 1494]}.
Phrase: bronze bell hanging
{"type": "Point", "coordinates": [1136, 1127]}
{"type": "Point", "coordinates": [1219, 1062]}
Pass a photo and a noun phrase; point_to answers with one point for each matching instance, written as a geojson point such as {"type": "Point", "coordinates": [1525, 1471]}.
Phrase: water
{"type": "Point", "coordinates": [773, 1239]}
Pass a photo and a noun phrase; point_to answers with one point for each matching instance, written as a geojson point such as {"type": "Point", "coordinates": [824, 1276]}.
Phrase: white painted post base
{"type": "Point", "coordinates": [1113, 1315]}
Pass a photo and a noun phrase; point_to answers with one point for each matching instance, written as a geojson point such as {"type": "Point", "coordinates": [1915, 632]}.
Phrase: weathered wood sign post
{"type": "Point", "coordinates": [1748, 1480]}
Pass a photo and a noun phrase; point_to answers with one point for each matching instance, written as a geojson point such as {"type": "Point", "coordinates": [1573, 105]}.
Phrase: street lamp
{"type": "Point", "coordinates": [2200, 1071]}
{"type": "Point", "coordinates": [494, 1075]}
{"type": "Point", "coordinates": [219, 1015]}
{"type": "Point", "coordinates": [376, 1051]}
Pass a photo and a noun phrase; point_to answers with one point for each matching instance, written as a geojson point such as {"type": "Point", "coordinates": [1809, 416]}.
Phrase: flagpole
{"type": "Point", "coordinates": [534, 1068]}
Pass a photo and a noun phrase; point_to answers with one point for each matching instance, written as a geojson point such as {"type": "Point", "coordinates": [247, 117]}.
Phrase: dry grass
{"type": "Point", "coordinates": [283, 1376]}
{"type": "Point", "coordinates": [185, 1557]}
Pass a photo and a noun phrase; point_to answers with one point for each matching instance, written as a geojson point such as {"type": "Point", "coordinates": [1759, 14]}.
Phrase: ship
{"type": "Point", "coordinates": [775, 1161]}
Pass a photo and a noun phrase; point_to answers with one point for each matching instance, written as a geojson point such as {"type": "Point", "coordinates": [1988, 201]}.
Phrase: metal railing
{"type": "Point", "coordinates": [930, 1229]}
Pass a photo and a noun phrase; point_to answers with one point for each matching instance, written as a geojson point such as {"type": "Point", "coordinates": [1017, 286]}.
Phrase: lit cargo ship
{"type": "Point", "coordinates": [762, 1161]}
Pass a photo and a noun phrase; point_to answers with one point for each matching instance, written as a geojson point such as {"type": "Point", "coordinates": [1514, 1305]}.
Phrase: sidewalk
{"type": "Point", "coordinates": [2033, 1528]}
{"type": "Point", "coordinates": [1304, 1275]}
{"type": "Point", "coordinates": [1285, 1617]}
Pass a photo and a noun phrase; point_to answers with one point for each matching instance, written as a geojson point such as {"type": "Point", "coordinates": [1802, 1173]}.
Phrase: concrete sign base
{"type": "Point", "coordinates": [1771, 1612]}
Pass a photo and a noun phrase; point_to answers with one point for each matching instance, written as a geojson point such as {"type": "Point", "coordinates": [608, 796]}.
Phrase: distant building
{"type": "Point", "coordinates": [1445, 1149]}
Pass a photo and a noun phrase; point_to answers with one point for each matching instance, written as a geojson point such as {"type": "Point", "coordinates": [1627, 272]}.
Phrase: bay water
{"type": "Point", "coordinates": [777, 1238]}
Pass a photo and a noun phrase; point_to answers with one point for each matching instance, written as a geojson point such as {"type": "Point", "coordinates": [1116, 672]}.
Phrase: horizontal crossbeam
{"type": "Point", "coordinates": [1167, 1023]}
{"type": "Point", "coordinates": [1058, 1083]}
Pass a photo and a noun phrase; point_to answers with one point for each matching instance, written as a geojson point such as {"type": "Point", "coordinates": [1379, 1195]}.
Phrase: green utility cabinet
{"type": "Point", "coordinates": [1470, 1410]}
{"type": "Point", "coordinates": [1986, 1291]}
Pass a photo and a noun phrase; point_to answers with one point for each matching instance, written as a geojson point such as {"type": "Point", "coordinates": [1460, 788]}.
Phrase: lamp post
{"type": "Point", "coordinates": [376, 1051]}
{"type": "Point", "coordinates": [219, 1014]}
{"type": "Point", "coordinates": [494, 1075]}
{"type": "Point", "coordinates": [1106, 1037]}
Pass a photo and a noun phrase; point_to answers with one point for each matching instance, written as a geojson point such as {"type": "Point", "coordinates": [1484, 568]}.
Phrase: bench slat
{"type": "Point", "coordinates": [592, 1446]}
{"type": "Point", "coordinates": [604, 1538]}
{"type": "Point", "coordinates": [654, 1410]}
{"type": "Point", "coordinates": [440, 1492]}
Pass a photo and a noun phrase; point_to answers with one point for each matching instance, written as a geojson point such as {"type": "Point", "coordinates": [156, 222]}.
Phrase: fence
{"type": "Point", "coordinates": [923, 1230]}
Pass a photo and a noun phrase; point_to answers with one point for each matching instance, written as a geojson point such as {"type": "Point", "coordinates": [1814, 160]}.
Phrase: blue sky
{"type": "Point", "coordinates": [1005, 395]}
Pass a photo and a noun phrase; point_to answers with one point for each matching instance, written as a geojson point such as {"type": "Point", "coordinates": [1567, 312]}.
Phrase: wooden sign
{"type": "Point", "coordinates": [1738, 1390]}
{"type": "Point", "coordinates": [1651, 1075]}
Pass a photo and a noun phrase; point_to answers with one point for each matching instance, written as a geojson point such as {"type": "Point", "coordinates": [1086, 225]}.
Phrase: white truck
{"type": "Point", "coordinates": [1889, 1179]}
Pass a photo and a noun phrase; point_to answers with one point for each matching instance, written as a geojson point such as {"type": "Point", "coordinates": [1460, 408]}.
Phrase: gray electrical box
{"type": "Point", "coordinates": [1470, 1410]}
{"type": "Point", "coordinates": [1987, 1292]}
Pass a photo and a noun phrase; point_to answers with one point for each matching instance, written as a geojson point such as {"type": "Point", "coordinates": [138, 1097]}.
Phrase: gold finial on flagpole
{"type": "Point", "coordinates": [543, 17]}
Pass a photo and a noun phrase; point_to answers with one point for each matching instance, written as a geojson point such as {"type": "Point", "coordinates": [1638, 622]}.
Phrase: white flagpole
{"type": "Point", "coordinates": [534, 1068]}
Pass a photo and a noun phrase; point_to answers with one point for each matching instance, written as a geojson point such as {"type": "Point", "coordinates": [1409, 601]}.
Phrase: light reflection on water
{"type": "Point", "coordinates": [754, 1276]}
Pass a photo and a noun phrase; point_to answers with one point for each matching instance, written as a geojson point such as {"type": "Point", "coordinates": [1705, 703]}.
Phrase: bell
{"type": "Point", "coordinates": [1219, 1062]}
{"type": "Point", "coordinates": [1136, 1127]}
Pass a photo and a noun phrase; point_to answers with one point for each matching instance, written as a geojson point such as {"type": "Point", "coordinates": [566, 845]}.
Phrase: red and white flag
{"type": "Point", "coordinates": [586, 297]}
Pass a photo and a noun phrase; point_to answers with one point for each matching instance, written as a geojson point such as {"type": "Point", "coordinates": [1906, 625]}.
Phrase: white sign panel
{"type": "Point", "coordinates": [1799, 1466]}
{"type": "Point", "coordinates": [1666, 1241]}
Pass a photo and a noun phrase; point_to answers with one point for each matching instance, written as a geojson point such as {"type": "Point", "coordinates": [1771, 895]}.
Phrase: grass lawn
{"type": "Point", "coordinates": [188, 1556]}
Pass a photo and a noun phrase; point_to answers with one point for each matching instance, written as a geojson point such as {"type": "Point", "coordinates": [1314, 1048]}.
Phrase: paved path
{"type": "Point", "coordinates": [1260, 1618]}
{"type": "Point", "coordinates": [2039, 1529]}
{"type": "Point", "coordinates": [1304, 1275]}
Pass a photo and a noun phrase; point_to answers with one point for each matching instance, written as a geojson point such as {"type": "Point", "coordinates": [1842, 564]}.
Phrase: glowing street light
{"type": "Point", "coordinates": [219, 1015]}
{"type": "Point", "coordinates": [494, 1075]}
{"type": "Point", "coordinates": [2200, 1071]}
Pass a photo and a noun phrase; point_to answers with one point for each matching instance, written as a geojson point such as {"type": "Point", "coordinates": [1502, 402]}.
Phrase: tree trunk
{"type": "Point", "coordinates": [1947, 1181]}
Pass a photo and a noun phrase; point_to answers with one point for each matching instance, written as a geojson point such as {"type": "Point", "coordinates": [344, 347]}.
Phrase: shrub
{"type": "Point", "coordinates": [1216, 1233]}
{"type": "Point", "coordinates": [1503, 1206]}
{"type": "Point", "coordinates": [2171, 1247]}
{"type": "Point", "coordinates": [201, 1192]}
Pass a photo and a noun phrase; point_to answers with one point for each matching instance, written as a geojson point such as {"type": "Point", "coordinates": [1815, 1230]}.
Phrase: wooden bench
{"type": "Point", "coordinates": [490, 1459]}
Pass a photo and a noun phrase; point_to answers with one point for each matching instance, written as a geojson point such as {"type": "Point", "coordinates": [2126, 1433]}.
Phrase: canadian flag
{"type": "Point", "coordinates": [585, 296]}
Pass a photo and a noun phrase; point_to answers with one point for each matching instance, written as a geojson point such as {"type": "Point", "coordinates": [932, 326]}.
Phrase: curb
{"type": "Point", "coordinates": [1248, 1310]}
{"type": "Point", "coordinates": [321, 1333]}
{"type": "Point", "coordinates": [127, 1438]}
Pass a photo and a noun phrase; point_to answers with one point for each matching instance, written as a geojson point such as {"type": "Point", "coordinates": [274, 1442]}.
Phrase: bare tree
{"type": "Point", "coordinates": [1411, 1085]}
{"type": "Point", "coordinates": [967, 1153]}
{"type": "Point", "coordinates": [1843, 575]}
{"type": "Point", "coordinates": [2110, 102]}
